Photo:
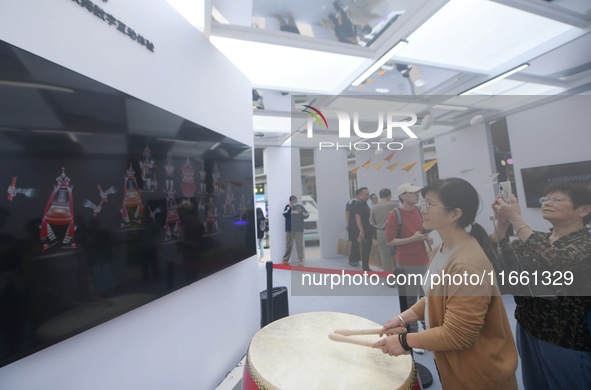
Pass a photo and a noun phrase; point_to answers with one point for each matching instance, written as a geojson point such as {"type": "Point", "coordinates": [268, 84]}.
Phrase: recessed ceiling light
{"type": "Point", "coordinates": [494, 80]}
{"type": "Point", "coordinates": [289, 68]}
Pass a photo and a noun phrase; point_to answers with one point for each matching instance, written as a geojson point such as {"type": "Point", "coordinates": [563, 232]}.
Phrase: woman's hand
{"type": "Point", "coordinates": [400, 321]}
{"type": "Point", "coordinates": [390, 345]}
{"type": "Point", "coordinates": [507, 213]}
{"type": "Point", "coordinates": [394, 322]}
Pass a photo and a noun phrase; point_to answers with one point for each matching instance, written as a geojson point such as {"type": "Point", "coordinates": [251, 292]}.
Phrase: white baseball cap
{"type": "Point", "coordinates": [407, 187]}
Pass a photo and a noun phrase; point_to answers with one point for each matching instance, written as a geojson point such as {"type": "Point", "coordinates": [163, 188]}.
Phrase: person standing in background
{"type": "Point", "coordinates": [378, 218]}
{"type": "Point", "coordinates": [353, 257]}
{"type": "Point", "coordinates": [360, 230]}
{"type": "Point", "coordinates": [294, 214]}
{"type": "Point", "coordinates": [261, 229]}
{"type": "Point", "coordinates": [373, 200]}
{"type": "Point", "coordinates": [411, 255]}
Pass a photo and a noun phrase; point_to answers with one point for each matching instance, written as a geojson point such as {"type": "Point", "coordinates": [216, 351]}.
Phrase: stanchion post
{"type": "Point", "coordinates": [269, 267]}
{"type": "Point", "coordinates": [423, 373]}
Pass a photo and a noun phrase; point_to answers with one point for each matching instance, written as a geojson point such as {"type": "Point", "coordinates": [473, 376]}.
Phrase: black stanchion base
{"type": "Point", "coordinates": [424, 375]}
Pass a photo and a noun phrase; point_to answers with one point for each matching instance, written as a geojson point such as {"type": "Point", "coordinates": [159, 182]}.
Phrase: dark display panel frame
{"type": "Point", "coordinates": [109, 203]}
{"type": "Point", "coordinates": [535, 179]}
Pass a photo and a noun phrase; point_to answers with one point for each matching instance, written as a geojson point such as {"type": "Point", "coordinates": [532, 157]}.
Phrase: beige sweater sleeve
{"type": "Point", "coordinates": [458, 312]}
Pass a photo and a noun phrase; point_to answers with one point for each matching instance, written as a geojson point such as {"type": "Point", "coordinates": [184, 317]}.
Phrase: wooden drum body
{"type": "Point", "coordinates": [296, 353]}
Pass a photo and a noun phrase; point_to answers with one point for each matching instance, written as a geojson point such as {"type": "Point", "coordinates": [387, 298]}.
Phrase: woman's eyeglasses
{"type": "Point", "coordinates": [425, 206]}
{"type": "Point", "coordinates": [552, 199]}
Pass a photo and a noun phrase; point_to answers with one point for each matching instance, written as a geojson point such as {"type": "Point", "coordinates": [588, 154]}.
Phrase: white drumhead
{"type": "Point", "coordinates": [296, 353]}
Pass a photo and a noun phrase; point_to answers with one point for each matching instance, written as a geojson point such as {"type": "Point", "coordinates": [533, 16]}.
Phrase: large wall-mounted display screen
{"type": "Point", "coordinates": [108, 203]}
{"type": "Point", "coordinates": [537, 178]}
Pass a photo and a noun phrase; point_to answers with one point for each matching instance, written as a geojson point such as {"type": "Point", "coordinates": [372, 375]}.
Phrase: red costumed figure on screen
{"type": "Point", "coordinates": [172, 217]}
{"type": "Point", "coordinates": [188, 179]}
{"type": "Point", "coordinates": [133, 208]}
{"type": "Point", "coordinates": [59, 211]}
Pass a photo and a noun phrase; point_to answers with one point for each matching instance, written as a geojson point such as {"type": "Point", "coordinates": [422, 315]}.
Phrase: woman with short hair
{"type": "Point", "coordinates": [554, 321]}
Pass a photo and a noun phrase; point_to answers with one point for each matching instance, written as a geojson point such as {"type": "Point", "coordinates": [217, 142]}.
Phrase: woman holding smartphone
{"type": "Point", "coordinates": [554, 314]}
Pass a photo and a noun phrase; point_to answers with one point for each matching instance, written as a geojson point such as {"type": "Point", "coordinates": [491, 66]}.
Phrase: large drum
{"type": "Point", "coordinates": [296, 353]}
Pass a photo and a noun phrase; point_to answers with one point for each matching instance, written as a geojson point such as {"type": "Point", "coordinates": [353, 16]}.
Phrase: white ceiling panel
{"type": "Point", "coordinates": [459, 35]}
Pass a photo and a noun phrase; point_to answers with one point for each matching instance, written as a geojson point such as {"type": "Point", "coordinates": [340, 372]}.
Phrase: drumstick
{"type": "Point", "coordinates": [351, 332]}
{"type": "Point", "coordinates": [345, 339]}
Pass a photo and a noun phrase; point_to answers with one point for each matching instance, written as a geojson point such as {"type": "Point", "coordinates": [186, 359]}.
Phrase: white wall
{"type": "Point", "coordinates": [555, 133]}
{"type": "Point", "coordinates": [332, 189]}
{"type": "Point", "coordinates": [191, 338]}
{"type": "Point", "coordinates": [467, 154]}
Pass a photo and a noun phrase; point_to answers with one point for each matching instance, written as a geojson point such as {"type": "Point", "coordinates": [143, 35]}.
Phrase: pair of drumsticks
{"type": "Point", "coordinates": [341, 335]}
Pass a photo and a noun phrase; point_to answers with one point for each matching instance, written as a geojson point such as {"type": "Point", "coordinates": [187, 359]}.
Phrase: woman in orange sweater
{"type": "Point", "coordinates": [467, 326]}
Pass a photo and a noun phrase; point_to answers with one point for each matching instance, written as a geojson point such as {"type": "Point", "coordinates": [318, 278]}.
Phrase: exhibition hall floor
{"type": "Point", "coordinates": [377, 307]}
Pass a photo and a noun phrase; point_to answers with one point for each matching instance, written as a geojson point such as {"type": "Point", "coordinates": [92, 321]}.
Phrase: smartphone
{"type": "Point", "coordinates": [505, 191]}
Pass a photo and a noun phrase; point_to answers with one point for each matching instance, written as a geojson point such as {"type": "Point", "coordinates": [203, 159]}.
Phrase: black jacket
{"type": "Point", "coordinates": [294, 217]}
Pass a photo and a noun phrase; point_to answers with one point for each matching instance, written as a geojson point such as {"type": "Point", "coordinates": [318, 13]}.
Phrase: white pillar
{"type": "Point", "coordinates": [332, 188]}
{"type": "Point", "coordinates": [284, 178]}
{"type": "Point", "coordinates": [476, 167]}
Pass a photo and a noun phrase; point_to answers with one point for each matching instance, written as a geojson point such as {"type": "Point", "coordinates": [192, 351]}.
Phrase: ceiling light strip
{"type": "Point", "coordinates": [398, 47]}
{"type": "Point", "coordinates": [493, 80]}
{"type": "Point", "coordinates": [450, 107]}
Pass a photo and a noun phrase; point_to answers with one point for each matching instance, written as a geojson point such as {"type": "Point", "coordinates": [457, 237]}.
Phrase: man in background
{"type": "Point", "coordinates": [378, 218]}
{"type": "Point", "coordinates": [373, 200]}
{"type": "Point", "coordinates": [411, 255]}
{"type": "Point", "coordinates": [294, 214]}
{"type": "Point", "coordinates": [359, 228]}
